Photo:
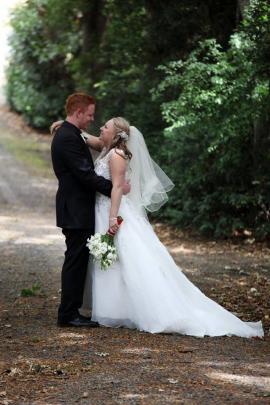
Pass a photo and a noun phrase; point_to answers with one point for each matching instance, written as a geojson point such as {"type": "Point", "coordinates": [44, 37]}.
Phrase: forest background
{"type": "Point", "coordinates": [193, 76]}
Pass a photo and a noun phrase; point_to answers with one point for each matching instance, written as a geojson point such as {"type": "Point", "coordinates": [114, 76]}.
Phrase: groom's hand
{"type": "Point", "coordinates": [126, 187]}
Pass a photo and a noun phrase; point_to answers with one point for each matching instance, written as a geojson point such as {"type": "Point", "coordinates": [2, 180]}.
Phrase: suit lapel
{"type": "Point", "coordinates": [88, 153]}
{"type": "Point", "coordinates": [77, 132]}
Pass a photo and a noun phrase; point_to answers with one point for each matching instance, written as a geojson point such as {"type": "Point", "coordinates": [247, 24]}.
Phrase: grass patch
{"type": "Point", "coordinates": [34, 154]}
{"type": "Point", "coordinates": [31, 292]}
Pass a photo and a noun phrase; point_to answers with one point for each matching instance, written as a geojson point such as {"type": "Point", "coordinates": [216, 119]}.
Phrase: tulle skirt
{"type": "Point", "coordinates": [146, 290]}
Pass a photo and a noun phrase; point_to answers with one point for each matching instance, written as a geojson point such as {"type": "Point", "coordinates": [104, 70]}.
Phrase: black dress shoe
{"type": "Point", "coordinates": [79, 322]}
{"type": "Point", "coordinates": [88, 318]}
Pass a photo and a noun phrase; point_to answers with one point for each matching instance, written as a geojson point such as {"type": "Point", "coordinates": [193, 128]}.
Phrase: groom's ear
{"type": "Point", "coordinates": [78, 112]}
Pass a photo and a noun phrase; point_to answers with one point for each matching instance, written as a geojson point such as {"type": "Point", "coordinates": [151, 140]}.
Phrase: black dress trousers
{"type": "Point", "coordinates": [73, 273]}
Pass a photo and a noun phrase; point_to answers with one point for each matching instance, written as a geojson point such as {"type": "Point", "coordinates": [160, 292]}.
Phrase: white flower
{"type": "Point", "coordinates": [102, 250]}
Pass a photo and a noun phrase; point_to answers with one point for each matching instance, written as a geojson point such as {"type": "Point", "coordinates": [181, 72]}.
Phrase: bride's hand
{"type": "Point", "coordinates": [113, 225]}
{"type": "Point", "coordinates": [93, 141]}
{"type": "Point", "coordinates": [55, 125]}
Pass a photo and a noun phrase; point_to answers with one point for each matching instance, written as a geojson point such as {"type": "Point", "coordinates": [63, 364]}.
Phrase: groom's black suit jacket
{"type": "Point", "coordinates": [78, 183]}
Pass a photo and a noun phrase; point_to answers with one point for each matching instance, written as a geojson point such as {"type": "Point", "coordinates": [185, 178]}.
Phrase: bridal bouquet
{"type": "Point", "coordinates": [102, 247]}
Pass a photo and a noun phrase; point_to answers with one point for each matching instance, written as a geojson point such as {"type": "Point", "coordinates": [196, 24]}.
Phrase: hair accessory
{"type": "Point", "coordinates": [123, 135]}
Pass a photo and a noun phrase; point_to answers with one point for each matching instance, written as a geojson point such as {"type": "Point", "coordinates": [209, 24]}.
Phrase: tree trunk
{"type": "Point", "coordinates": [94, 24]}
{"type": "Point", "coordinates": [93, 28]}
{"type": "Point", "coordinates": [261, 136]}
{"type": "Point", "coordinates": [242, 5]}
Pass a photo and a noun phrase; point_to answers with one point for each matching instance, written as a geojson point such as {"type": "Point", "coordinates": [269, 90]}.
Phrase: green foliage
{"type": "Point", "coordinates": [121, 83]}
{"type": "Point", "coordinates": [217, 109]}
{"type": "Point", "coordinates": [38, 78]}
{"type": "Point", "coordinates": [107, 48]}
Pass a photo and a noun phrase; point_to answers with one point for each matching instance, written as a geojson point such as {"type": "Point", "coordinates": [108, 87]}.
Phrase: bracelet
{"type": "Point", "coordinates": [112, 218]}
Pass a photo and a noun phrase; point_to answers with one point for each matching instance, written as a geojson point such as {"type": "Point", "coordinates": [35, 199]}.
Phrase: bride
{"type": "Point", "coordinates": [145, 289]}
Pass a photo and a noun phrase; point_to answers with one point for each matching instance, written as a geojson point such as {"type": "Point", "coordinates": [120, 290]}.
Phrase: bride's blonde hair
{"type": "Point", "coordinates": [121, 125]}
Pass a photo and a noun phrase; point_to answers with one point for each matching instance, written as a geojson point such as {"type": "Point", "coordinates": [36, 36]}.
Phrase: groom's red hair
{"type": "Point", "coordinates": [78, 100]}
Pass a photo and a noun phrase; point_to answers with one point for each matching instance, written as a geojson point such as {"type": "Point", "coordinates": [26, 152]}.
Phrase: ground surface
{"type": "Point", "coordinates": [42, 364]}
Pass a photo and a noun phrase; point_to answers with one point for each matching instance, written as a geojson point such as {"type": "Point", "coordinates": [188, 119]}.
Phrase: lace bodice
{"type": "Point", "coordinates": [102, 167]}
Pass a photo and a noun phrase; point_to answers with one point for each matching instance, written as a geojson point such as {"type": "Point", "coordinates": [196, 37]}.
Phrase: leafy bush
{"type": "Point", "coordinates": [217, 109]}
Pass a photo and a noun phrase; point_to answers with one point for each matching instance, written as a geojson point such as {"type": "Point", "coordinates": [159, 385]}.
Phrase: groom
{"type": "Point", "coordinates": [75, 203]}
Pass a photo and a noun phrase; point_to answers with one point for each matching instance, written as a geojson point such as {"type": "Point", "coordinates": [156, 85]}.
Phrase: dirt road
{"type": "Point", "coordinates": [42, 364]}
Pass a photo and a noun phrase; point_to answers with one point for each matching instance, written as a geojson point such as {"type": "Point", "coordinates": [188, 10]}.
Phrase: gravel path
{"type": "Point", "coordinates": [42, 364]}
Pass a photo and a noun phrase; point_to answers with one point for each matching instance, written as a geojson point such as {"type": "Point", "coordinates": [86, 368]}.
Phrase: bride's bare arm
{"type": "Point", "coordinates": [93, 141]}
{"type": "Point", "coordinates": [55, 125]}
{"type": "Point", "coordinates": [118, 169]}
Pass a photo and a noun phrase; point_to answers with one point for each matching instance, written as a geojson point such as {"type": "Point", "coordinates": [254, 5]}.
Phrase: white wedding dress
{"type": "Point", "coordinates": [145, 289]}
